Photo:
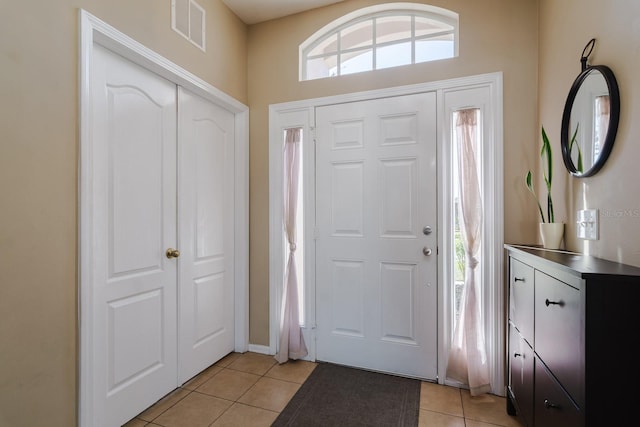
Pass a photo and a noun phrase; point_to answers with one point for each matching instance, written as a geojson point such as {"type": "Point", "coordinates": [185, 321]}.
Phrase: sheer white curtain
{"type": "Point", "coordinates": [467, 361]}
{"type": "Point", "coordinates": [292, 344]}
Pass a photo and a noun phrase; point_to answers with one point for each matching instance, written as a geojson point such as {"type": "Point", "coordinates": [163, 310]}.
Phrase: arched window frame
{"type": "Point", "coordinates": [359, 16]}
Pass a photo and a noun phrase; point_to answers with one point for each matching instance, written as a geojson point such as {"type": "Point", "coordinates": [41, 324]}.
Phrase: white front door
{"type": "Point", "coordinates": [133, 209]}
{"type": "Point", "coordinates": [206, 239]}
{"type": "Point", "coordinates": [376, 281]}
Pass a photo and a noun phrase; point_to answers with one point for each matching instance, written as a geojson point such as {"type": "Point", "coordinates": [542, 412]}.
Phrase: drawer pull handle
{"type": "Point", "coordinates": [548, 303]}
{"type": "Point", "coordinates": [518, 279]}
{"type": "Point", "coordinates": [549, 405]}
{"type": "Point", "coordinates": [517, 355]}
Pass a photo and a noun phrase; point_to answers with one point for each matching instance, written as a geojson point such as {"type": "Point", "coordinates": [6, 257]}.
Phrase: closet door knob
{"type": "Point", "coordinates": [172, 253]}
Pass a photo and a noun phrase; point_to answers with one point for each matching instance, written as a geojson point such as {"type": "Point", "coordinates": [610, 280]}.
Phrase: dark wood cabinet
{"type": "Point", "coordinates": [573, 320]}
{"type": "Point", "coordinates": [521, 365]}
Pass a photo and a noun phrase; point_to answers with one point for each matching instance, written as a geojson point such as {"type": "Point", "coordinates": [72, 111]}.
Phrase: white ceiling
{"type": "Point", "coordinates": [254, 11]}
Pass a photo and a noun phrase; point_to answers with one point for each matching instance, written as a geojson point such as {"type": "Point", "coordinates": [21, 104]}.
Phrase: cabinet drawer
{"type": "Point", "coordinates": [521, 298]}
{"type": "Point", "coordinates": [521, 374]}
{"type": "Point", "coordinates": [553, 407]}
{"type": "Point", "coordinates": [558, 332]}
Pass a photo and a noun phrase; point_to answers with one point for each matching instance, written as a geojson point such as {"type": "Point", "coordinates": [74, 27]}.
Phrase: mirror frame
{"type": "Point", "coordinates": [614, 118]}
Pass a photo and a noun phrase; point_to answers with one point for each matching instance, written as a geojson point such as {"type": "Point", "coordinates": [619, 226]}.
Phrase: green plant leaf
{"type": "Point", "coordinates": [546, 152]}
{"type": "Point", "coordinates": [529, 183]}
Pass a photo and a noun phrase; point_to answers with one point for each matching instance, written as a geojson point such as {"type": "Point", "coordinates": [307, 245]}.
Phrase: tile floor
{"type": "Point", "coordinates": [251, 389]}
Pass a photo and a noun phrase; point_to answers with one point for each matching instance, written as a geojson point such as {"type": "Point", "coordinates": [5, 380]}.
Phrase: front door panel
{"type": "Point", "coordinates": [376, 289]}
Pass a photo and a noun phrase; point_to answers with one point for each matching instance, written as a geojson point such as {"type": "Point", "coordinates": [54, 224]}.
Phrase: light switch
{"type": "Point", "coordinates": [587, 224]}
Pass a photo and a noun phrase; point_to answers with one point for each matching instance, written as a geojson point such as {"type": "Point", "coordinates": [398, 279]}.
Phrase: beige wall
{"type": "Point", "coordinates": [495, 35]}
{"type": "Point", "coordinates": [38, 120]}
{"type": "Point", "coordinates": [38, 163]}
{"type": "Point", "coordinates": [565, 28]}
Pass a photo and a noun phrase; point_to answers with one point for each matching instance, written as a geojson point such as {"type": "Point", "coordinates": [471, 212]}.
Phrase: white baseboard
{"type": "Point", "coordinates": [262, 349]}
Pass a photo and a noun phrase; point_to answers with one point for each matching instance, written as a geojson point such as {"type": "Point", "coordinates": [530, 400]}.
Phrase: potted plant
{"type": "Point", "coordinates": [551, 231]}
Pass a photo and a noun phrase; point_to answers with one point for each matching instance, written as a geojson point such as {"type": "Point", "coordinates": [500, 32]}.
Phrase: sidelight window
{"type": "Point", "coordinates": [466, 180]}
{"type": "Point", "coordinates": [293, 223]}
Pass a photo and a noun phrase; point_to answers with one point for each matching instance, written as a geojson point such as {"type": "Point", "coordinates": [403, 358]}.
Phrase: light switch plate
{"type": "Point", "coordinates": [587, 224]}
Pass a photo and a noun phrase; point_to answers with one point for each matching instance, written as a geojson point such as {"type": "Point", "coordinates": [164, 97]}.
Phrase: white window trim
{"type": "Point", "coordinates": [437, 13]}
{"type": "Point", "coordinates": [301, 114]}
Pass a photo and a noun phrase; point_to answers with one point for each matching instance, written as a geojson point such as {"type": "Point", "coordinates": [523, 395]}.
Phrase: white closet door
{"type": "Point", "coordinates": [376, 269]}
{"type": "Point", "coordinates": [206, 269]}
{"type": "Point", "coordinates": [133, 192]}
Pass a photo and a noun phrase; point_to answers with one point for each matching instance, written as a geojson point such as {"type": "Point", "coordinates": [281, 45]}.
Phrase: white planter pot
{"type": "Point", "coordinates": [551, 234]}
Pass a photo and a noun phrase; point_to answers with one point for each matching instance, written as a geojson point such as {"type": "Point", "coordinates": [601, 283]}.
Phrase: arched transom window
{"type": "Point", "coordinates": [381, 36]}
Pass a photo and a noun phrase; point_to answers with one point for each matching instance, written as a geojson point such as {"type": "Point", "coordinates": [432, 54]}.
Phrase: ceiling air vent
{"type": "Point", "coordinates": [188, 20]}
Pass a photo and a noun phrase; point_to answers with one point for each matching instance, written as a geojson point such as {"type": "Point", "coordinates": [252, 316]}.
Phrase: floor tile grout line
{"type": "Point", "coordinates": [253, 406]}
{"type": "Point", "coordinates": [215, 397]}
{"type": "Point", "coordinates": [169, 407]}
{"type": "Point", "coordinates": [442, 413]}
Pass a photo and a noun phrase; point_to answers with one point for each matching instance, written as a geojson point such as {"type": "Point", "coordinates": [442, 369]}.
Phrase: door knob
{"type": "Point", "coordinates": [172, 253]}
{"type": "Point", "coordinates": [426, 251]}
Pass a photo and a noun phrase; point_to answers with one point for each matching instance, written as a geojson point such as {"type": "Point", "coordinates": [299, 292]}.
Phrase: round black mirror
{"type": "Point", "coordinates": [590, 121]}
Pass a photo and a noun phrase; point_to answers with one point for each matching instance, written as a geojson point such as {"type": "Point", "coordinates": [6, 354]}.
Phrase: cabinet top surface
{"type": "Point", "coordinates": [581, 265]}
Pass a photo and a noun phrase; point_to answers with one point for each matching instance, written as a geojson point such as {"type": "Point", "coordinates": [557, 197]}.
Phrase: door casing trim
{"type": "Point", "coordinates": [302, 114]}
{"type": "Point", "coordinates": [95, 31]}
